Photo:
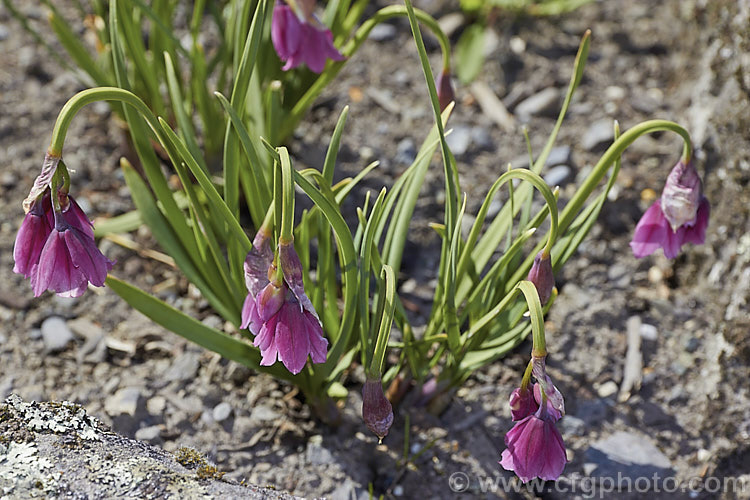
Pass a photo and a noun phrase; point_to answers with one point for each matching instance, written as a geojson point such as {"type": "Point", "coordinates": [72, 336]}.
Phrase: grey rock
{"type": "Point", "coordinates": [626, 455]}
{"type": "Point", "coordinates": [96, 463]}
{"type": "Point", "coordinates": [184, 367]}
{"type": "Point", "coordinates": [592, 411]}
{"type": "Point", "coordinates": [55, 334]}
{"type": "Point", "coordinates": [559, 175]}
{"type": "Point", "coordinates": [316, 453]}
{"type": "Point", "coordinates": [649, 332]}
{"type": "Point", "coordinates": [3, 33]}
{"type": "Point", "coordinates": [607, 389]}
{"type": "Point", "coordinates": [124, 402]}
{"type": "Point", "coordinates": [406, 151]}
{"type": "Point", "coordinates": [599, 134]}
{"type": "Point", "coordinates": [459, 140]}
{"type": "Point", "coordinates": [558, 155]}
{"type": "Point", "coordinates": [156, 405]}
{"type": "Point", "coordinates": [382, 32]}
{"type": "Point", "coordinates": [222, 411]}
{"type": "Point", "coordinates": [8, 179]}
{"type": "Point", "coordinates": [692, 344]}
{"type": "Point", "coordinates": [263, 413]}
{"type": "Point", "coordinates": [540, 103]}
{"type": "Point", "coordinates": [572, 425]}
{"type": "Point", "coordinates": [494, 208]}
{"type": "Point", "coordinates": [151, 433]}
{"type": "Point", "coordinates": [482, 138]}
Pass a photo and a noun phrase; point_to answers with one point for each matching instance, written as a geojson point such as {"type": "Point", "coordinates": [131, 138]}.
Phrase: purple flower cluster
{"type": "Point", "coordinates": [278, 312]}
{"type": "Point", "coordinates": [299, 38]}
{"type": "Point", "coordinates": [534, 445]}
{"type": "Point", "coordinates": [55, 245]}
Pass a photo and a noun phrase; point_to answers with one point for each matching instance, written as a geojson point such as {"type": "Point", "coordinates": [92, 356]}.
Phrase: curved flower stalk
{"type": "Point", "coordinates": [680, 216]}
{"type": "Point", "coordinates": [299, 37]}
{"type": "Point", "coordinates": [534, 445]}
{"type": "Point", "coordinates": [55, 245]}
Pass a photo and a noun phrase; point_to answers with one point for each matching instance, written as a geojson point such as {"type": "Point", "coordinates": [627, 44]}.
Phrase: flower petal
{"type": "Point", "coordinates": [651, 231]}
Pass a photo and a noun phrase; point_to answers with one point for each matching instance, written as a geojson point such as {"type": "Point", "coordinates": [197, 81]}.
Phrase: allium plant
{"type": "Point", "coordinates": [305, 316]}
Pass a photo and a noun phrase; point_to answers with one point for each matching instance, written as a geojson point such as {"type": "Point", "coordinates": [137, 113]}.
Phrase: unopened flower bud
{"type": "Point", "coordinates": [542, 277]}
{"type": "Point", "coordinates": [681, 195]}
{"type": "Point", "coordinates": [522, 403]}
{"type": "Point", "coordinates": [445, 92]}
{"type": "Point", "coordinates": [377, 411]}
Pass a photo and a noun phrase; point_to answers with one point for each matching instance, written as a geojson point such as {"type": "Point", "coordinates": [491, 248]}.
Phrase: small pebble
{"type": "Point", "coordinates": [382, 32]}
{"type": "Point", "coordinates": [459, 139]}
{"type": "Point", "coordinates": [649, 332]}
{"type": "Point", "coordinates": [55, 334]}
{"type": "Point", "coordinates": [148, 433]}
{"type": "Point", "coordinates": [597, 135]}
{"type": "Point", "coordinates": [222, 411]}
{"type": "Point", "coordinates": [538, 104]}
{"type": "Point", "coordinates": [607, 389]}
{"type": "Point", "coordinates": [124, 401]}
{"type": "Point", "coordinates": [557, 176]}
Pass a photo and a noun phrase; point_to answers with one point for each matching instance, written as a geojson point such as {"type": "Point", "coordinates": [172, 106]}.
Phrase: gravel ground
{"type": "Point", "coordinates": [687, 61]}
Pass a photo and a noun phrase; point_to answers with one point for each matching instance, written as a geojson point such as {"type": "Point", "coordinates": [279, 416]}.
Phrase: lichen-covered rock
{"type": "Point", "coordinates": [56, 450]}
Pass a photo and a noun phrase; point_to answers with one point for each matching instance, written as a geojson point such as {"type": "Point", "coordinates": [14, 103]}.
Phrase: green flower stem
{"type": "Point", "coordinates": [350, 48]}
{"type": "Point", "coordinates": [526, 376]}
{"type": "Point", "coordinates": [384, 332]}
{"type": "Point", "coordinates": [539, 344]}
{"type": "Point", "coordinates": [286, 235]}
{"type": "Point", "coordinates": [614, 152]}
{"type": "Point", "coordinates": [81, 99]}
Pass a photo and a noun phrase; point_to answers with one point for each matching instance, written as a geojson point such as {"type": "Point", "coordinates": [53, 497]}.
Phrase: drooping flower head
{"type": "Point", "coordinates": [445, 92]}
{"type": "Point", "coordinates": [535, 447]}
{"type": "Point", "coordinates": [299, 37]}
{"type": "Point", "coordinates": [55, 244]}
{"type": "Point", "coordinates": [377, 411]}
{"type": "Point", "coordinates": [542, 277]}
{"type": "Point", "coordinates": [680, 216]}
{"type": "Point", "coordinates": [277, 310]}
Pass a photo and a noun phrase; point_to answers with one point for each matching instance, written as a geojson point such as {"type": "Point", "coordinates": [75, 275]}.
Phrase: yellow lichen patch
{"type": "Point", "coordinates": [190, 458]}
{"type": "Point", "coordinates": [207, 471]}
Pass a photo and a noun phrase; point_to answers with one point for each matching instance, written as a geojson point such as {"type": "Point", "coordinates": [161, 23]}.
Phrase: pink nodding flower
{"type": "Point", "coordinates": [69, 259]}
{"type": "Point", "coordinates": [280, 314]}
{"type": "Point", "coordinates": [55, 244]}
{"type": "Point", "coordinates": [535, 447]}
{"type": "Point", "coordinates": [301, 38]}
{"type": "Point", "coordinates": [680, 216]}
